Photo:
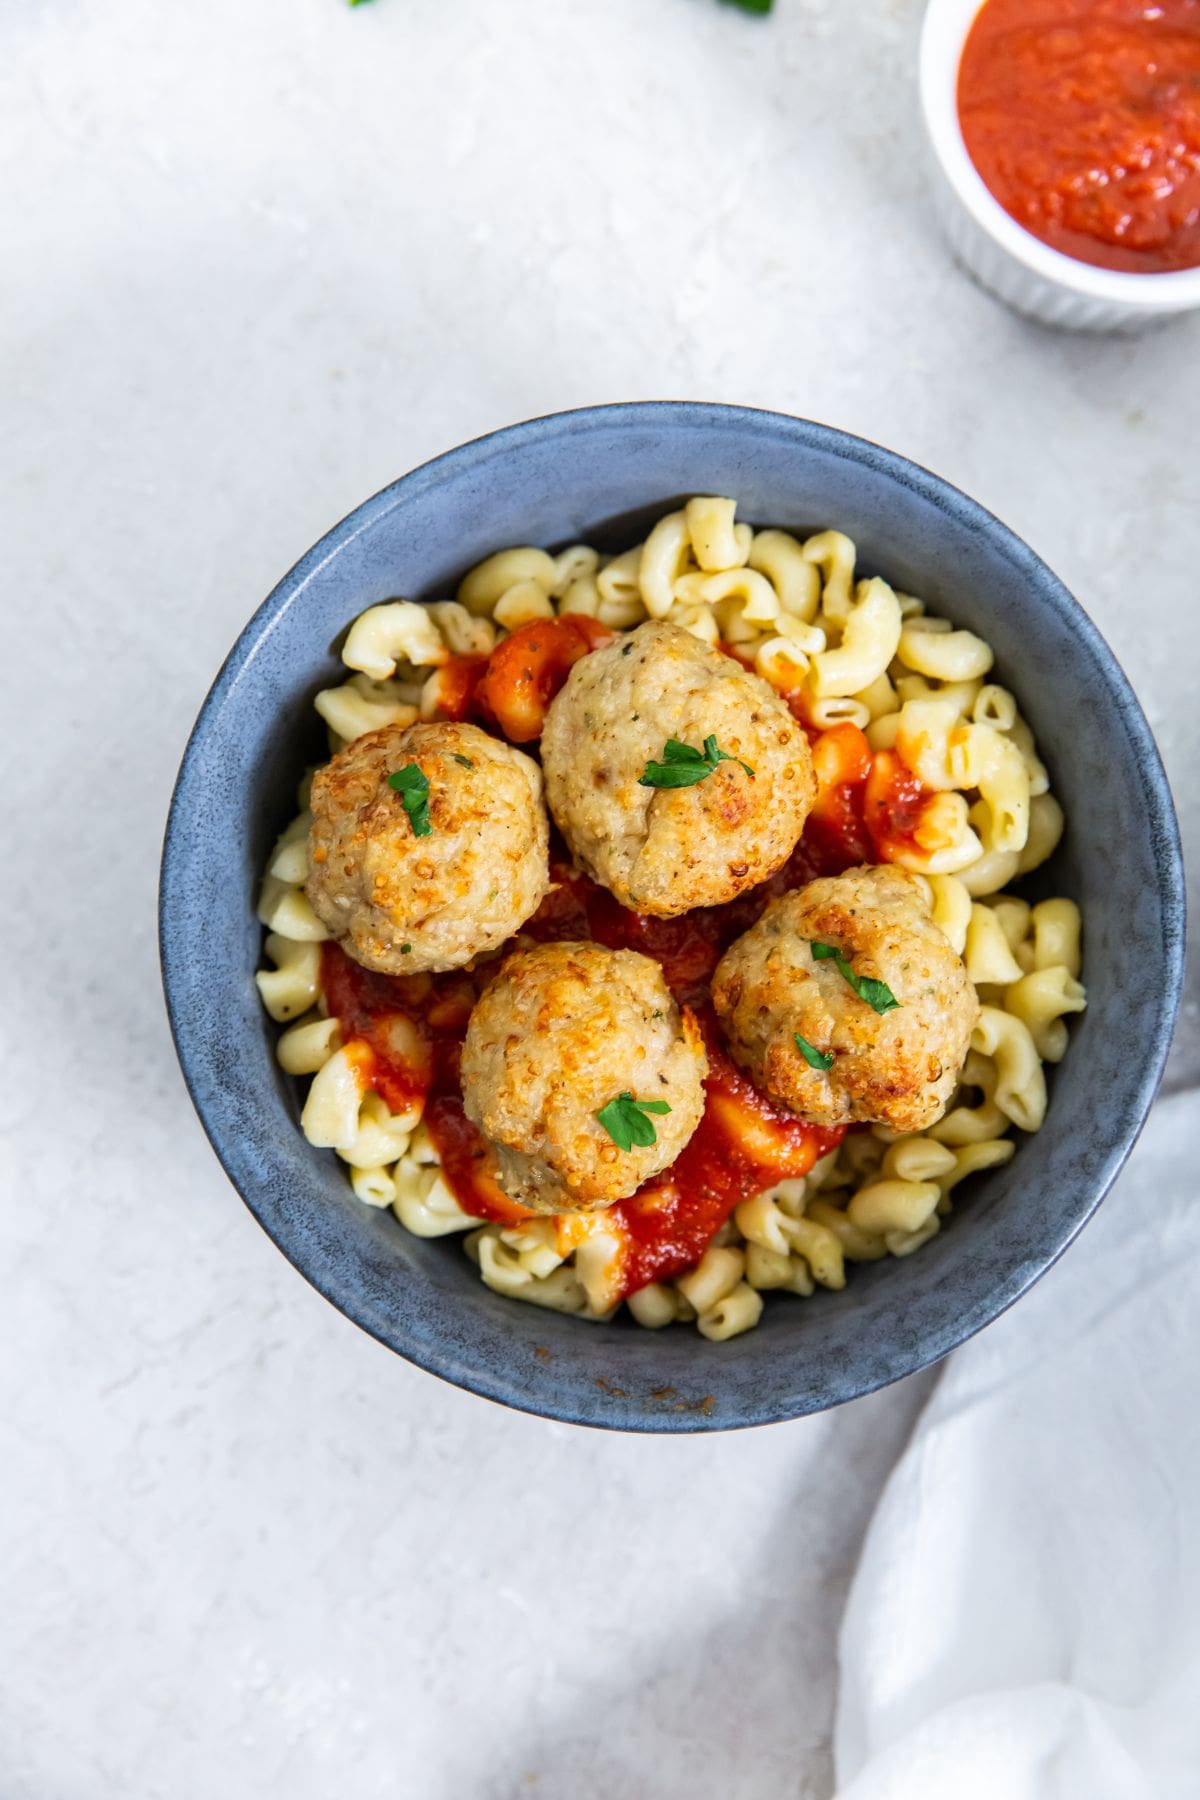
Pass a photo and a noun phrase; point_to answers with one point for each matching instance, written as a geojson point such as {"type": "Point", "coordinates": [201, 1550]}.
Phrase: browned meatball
{"type": "Point", "coordinates": [898, 1067]}
{"type": "Point", "coordinates": [666, 850]}
{"type": "Point", "coordinates": [557, 1035]}
{"type": "Point", "coordinates": [404, 902]}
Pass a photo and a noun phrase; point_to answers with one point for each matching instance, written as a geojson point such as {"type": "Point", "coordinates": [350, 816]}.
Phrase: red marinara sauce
{"type": "Point", "coordinates": [511, 689]}
{"type": "Point", "coordinates": [1083, 118]}
{"type": "Point", "coordinates": [742, 1145]}
{"type": "Point", "coordinates": [408, 1030]}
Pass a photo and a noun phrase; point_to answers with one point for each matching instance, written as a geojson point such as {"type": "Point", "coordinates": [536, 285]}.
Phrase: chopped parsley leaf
{"type": "Point", "coordinates": [816, 1059]}
{"type": "Point", "coordinates": [412, 785]}
{"type": "Point", "coordinates": [877, 994]}
{"type": "Point", "coordinates": [683, 766]}
{"type": "Point", "coordinates": [626, 1123]}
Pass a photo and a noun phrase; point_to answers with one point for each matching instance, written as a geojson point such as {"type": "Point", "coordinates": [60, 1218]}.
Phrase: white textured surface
{"type": "Point", "coordinates": [258, 260]}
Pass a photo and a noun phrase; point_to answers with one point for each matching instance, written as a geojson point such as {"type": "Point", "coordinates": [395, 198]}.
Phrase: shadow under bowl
{"type": "Point", "coordinates": [601, 475]}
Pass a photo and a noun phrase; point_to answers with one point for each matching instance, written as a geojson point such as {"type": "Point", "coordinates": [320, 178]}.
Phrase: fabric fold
{"type": "Point", "coordinates": [1025, 1618]}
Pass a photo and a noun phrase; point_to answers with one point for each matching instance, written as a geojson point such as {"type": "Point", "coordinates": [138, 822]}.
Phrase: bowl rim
{"type": "Point", "coordinates": [445, 1363]}
{"type": "Point", "coordinates": [944, 32]}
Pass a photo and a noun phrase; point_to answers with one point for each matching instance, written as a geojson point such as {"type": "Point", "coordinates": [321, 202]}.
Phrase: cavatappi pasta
{"type": "Point", "coordinates": [869, 672]}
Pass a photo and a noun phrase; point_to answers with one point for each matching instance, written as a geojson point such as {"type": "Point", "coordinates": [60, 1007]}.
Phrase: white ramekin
{"type": "Point", "coordinates": [992, 246]}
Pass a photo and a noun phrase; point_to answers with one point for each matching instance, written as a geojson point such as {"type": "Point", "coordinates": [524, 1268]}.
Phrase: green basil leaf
{"type": "Point", "coordinates": [816, 1059]}
{"type": "Point", "coordinates": [412, 785]}
{"type": "Point", "coordinates": [626, 1123]}
{"type": "Point", "coordinates": [877, 994]}
{"type": "Point", "coordinates": [683, 766]}
{"type": "Point", "coordinates": [673, 775]}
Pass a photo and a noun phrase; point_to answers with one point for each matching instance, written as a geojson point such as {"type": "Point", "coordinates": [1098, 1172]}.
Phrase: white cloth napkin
{"type": "Point", "coordinates": [1025, 1620]}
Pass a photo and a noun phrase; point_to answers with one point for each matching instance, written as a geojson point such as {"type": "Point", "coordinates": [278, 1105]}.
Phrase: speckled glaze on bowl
{"type": "Point", "coordinates": [601, 475]}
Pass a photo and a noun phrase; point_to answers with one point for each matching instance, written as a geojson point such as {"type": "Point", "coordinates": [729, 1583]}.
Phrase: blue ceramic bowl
{"type": "Point", "coordinates": [601, 475]}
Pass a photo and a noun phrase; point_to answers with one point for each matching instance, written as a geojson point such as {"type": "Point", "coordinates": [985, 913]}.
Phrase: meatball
{"type": "Point", "coordinates": [898, 1067]}
{"type": "Point", "coordinates": [404, 901]}
{"type": "Point", "coordinates": [664, 850]}
{"type": "Point", "coordinates": [557, 1035]}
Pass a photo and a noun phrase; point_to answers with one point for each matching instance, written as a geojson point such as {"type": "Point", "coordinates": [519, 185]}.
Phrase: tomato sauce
{"type": "Point", "coordinates": [458, 682]}
{"type": "Point", "coordinates": [410, 1028]}
{"type": "Point", "coordinates": [468, 1162]}
{"type": "Point", "coordinates": [384, 1013]}
{"type": "Point", "coordinates": [510, 689]}
{"type": "Point", "coordinates": [526, 670]}
{"type": "Point", "coordinates": [836, 836]}
{"type": "Point", "coordinates": [742, 1145]}
{"type": "Point", "coordinates": [893, 801]}
{"type": "Point", "coordinates": [1083, 118]}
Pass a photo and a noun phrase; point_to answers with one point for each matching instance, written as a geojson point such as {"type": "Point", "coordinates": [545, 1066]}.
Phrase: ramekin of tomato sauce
{"type": "Point", "coordinates": [1066, 136]}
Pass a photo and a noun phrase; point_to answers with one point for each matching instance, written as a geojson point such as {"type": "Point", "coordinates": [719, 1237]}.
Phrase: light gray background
{"type": "Point", "coordinates": [257, 261]}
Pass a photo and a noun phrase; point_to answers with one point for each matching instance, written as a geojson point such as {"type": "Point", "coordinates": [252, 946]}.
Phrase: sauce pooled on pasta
{"type": "Point", "coordinates": [412, 1027]}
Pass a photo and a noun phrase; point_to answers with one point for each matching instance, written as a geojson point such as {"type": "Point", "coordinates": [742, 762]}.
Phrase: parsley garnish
{"type": "Point", "coordinates": [413, 789]}
{"type": "Point", "coordinates": [816, 1059]}
{"type": "Point", "coordinates": [877, 994]}
{"type": "Point", "coordinates": [682, 766]}
{"type": "Point", "coordinates": [626, 1123]}
{"type": "Point", "coordinates": [750, 6]}
{"type": "Point", "coordinates": [464, 760]}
